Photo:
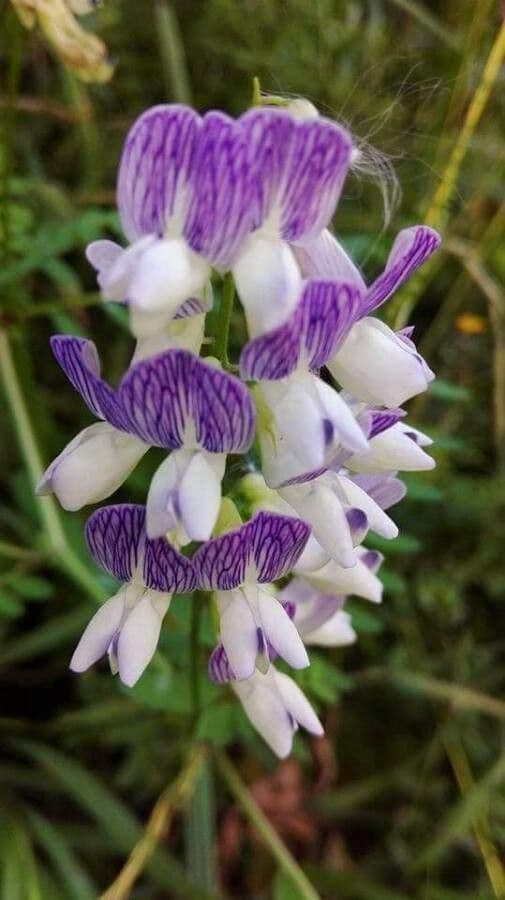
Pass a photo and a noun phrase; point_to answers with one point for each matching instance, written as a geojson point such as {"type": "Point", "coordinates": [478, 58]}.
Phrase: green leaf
{"type": "Point", "coordinates": [52, 840]}
{"type": "Point", "coordinates": [33, 587]}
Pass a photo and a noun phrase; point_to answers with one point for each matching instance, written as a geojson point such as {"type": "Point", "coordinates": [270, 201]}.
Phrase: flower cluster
{"type": "Point", "coordinates": [250, 200]}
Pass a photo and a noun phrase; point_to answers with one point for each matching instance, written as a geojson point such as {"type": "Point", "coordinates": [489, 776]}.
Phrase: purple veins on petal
{"type": "Point", "coordinates": [219, 216]}
{"type": "Point", "coordinates": [219, 669]}
{"type": "Point", "coordinates": [272, 542]}
{"type": "Point", "coordinates": [165, 569]}
{"type": "Point", "coordinates": [115, 538]}
{"type": "Point", "coordinates": [320, 322]}
{"type": "Point", "coordinates": [382, 419]}
{"type": "Point", "coordinates": [166, 393]}
{"type": "Point", "coordinates": [80, 362]}
{"type": "Point", "coordinates": [278, 541]}
{"type": "Point", "coordinates": [412, 247]}
{"type": "Point", "coordinates": [155, 179]}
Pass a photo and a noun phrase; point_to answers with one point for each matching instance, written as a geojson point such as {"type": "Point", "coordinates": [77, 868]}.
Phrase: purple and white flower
{"type": "Point", "coordinates": [239, 565]}
{"type": "Point", "coordinates": [127, 626]}
{"type": "Point", "coordinates": [173, 400]}
{"type": "Point", "coordinates": [199, 192]}
{"type": "Point", "coordinates": [374, 364]}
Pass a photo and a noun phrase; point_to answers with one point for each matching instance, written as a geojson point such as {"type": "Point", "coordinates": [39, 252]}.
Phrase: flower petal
{"type": "Point", "coordinates": [321, 320]}
{"type": "Point", "coordinates": [384, 490]}
{"type": "Point", "coordinates": [392, 450]}
{"type": "Point", "coordinates": [165, 569]}
{"type": "Point", "coordinates": [115, 538]}
{"type": "Point", "coordinates": [98, 633]}
{"type": "Point", "coordinates": [168, 393]}
{"type": "Point", "coordinates": [280, 631]}
{"type": "Point", "coordinates": [139, 637]}
{"type": "Point", "coordinates": [378, 521]}
{"type": "Point", "coordinates": [277, 542]}
{"type": "Point", "coordinates": [335, 632]}
{"type": "Point", "coordinates": [412, 247]}
{"type": "Point", "coordinates": [74, 476]}
{"type": "Point", "coordinates": [222, 562]}
{"type": "Point", "coordinates": [297, 704]}
{"type": "Point", "coordinates": [238, 632]}
{"type": "Point", "coordinates": [324, 257]}
{"type": "Point", "coordinates": [200, 494]}
{"type": "Point", "coordinates": [265, 708]}
{"type": "Point", "coordinates": [79, 360]}
{"type": "Point", "coordinates": [219, 216]}
{"type": "Point", "coordinates": [156, 170]}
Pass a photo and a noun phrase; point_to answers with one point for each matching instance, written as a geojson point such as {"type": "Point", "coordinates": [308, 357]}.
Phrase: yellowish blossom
{"type": "Point", "coordinates": [82, 53]}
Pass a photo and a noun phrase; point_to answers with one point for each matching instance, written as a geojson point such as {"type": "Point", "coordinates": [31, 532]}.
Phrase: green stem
{"type": "Point", "coordinates": [173, 56]}
{"type": "Point", "coordinates": [224, 320]}
{"type": "Point", "coordinates": [194, 655]}
{"type": "Point", "coordinates": [278, 849]}
{"type": "Point", "coordinates": [61, 552]}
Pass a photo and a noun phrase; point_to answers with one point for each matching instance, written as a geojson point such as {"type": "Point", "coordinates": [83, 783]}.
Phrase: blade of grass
{"type": "Point", "coordinates": [109, 812]}
{"type": "Point", "coordinates": [275, 845]}
{"type": "Point", "coordinates": [468, 814]}
{"type": "Point", "coordinates": [429, 21]}
{"type": "Point", "coordinates": [78, 885]}
{"type": "Point", "coordinates": [173, 56]}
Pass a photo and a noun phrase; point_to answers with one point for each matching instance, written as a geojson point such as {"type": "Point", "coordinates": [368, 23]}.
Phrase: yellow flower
{"type": "Point", "coordinates": [82, 53]}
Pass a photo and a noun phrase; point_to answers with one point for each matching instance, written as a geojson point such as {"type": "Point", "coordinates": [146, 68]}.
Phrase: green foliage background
{"type": "Point", "coordinates": [405, 799]}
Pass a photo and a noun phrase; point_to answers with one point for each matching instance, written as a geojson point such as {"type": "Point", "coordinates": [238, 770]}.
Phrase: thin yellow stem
{"type": "Point", "coordinates": [480, 825]}
{"type": "Point", "coordinates": [172, 798]}
{"type": "Point", "coordinates": [437, 209]}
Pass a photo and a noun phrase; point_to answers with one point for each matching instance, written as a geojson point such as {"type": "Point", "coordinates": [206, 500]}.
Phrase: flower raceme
{"type": "Point", "coordinates": [318, 388]}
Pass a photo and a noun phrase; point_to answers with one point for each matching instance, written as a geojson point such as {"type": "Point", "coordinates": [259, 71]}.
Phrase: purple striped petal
{"type": "Point", "coordinates": [221, 563]}
{"type": "Point", "coordinates": [310, 336]}
{"type": "Point", "coordinates": [382, 419]}
{"type": "Point", "coordinates": [318, 162]}
{"type": "Point", "coordinates": [219, 669]}
{"type": "Point", "coordinates": [412, 247]}
{"type": "Point", "coordinates": [155, 172]}
{"type": "Point", "coordinates": [79, 360]}
{"type": "Point", "coordinates": [193, 306]}
{"type": "Point", "coordinates": [270, 541]}
{"type": "Point", "coordinates": [165, 569]}
{"type": "Point", "coordinates": [115, 538]}
{"type": "Point", "coordinates": [219, 216]}
{"type": "Point", "coordinates": [277, 543]}
{"type": "Point", "coordinates": [164, 394]}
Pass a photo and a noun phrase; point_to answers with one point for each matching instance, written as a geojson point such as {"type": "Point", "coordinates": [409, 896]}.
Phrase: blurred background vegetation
{"type": "Point", "coordinates": [404, 798]}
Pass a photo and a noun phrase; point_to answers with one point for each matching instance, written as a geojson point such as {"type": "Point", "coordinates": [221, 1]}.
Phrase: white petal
{"type": "Point", "coordinates": [376, 366]}
{"type": "Point", "coordinates": [92, 466]}
{"type": "Point", "coordinates": [139, 637]}
{"type": "Point", "coordinates": [265, 709]}
{"type": "Point", "coordinates": [378, 521]}
{"type": "Point", "coordinates": [391, 451]}
{"type": "Point", "coordinates": [324, 257]}
{"type": "Point", "coordinates": [99, 633]}
{"type": "Point", "coordinates": [323, 510]}
{"type": "Point", "coordinates": [313, 557]}
{"type": "Point", "coordinates": [336, 410]}
{"type": "Point", "coordinates": [268, 282]}
{"type": "Point", "coordinates": [334, 579]}
{"type": "Point", "coordinates": [115, 278]}
{"type": "Point", "coordinates": [297, 704]}
{"type": "Point", "coordinates": [161, 499]}
{"type": "Point", "coordinates": [281, 631]}
{"type": "Point", "coordinates": [103, 254]}
{"type": "Point", "coordinates": [200, 494]}
{"type": "Point", "coordinates": [335, 632]}
{"type": "Point", "coordinates": [165, 275]}
{"type": "Point", "coordinates": [238, 632]}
